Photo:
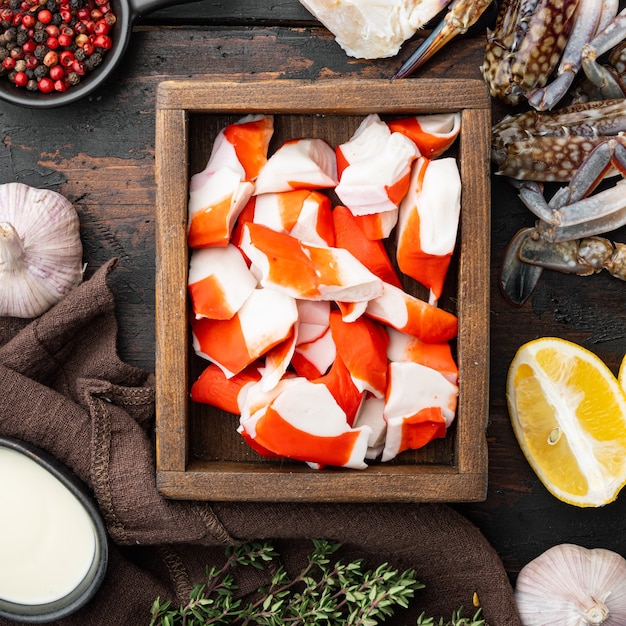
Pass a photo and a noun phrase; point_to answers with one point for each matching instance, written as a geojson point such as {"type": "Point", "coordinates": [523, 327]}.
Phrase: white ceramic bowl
{"type": "Point", "coordinates": [52, 537]}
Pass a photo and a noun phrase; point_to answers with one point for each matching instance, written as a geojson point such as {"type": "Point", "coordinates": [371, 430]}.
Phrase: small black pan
{"type": "Point", "coordinates": [127, 13]}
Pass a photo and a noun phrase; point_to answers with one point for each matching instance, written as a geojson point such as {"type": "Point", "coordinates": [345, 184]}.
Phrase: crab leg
{"type": "Point", "coordinates": [461, 15]}
{"type": "Point", "coordinates": [585, 27]}
{"type": "Point", "coordinates": [601, 77]}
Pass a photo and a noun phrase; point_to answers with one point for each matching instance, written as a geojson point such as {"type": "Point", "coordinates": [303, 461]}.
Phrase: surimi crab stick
{"type": "Point", "coordinates": [302, 213]}
{"type": "Point", "coordinates": [299, 164]}
{"type": "Point", "coordinates": [362, 345]}
{"type": "Point", "coordinates": [409, 314]}
{"type": "Point", "coordinates": [433, 133]}
{"type": "Point", "coordinates": [419, 406]}
{"type": "Point", "coordinates": [214, 388]}
{"type": "Point", "coordinates": [265, 319]}
{"type": "Point", "coordinates": [241, 146]}
{"type": "Point", "coordinates": [438, 356]}
{"type": "Point", "coordinates": [304, 271]}
{"type": "Point", "coordinates": [378, 184]}
{"type": "Point", "coordinates": [372, 253]}
{"type": "Point", "coordinates": [219, 282]}
{"type": "Point", "coordinates": [313, 358]}
{"type": "Point", "coordinates": [428, 223]}
{"type": "Point", "coordinates": [305, 423]}
{"type": "Point", "coordinates": [214, 207]}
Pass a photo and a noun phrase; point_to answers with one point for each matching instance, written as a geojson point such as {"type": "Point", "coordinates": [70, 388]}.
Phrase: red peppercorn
{"type": "Point", "coordinates": [60, 85]}
{"type": "Point", "coordinates": [21, 79]}
{"type": "Point", "coordinates": [101, 27]}
{"type": "Point", "coordinates": [103, 41]}
{"type": "Point", "coordinates": [52, 30]}
{"type": "Point", "coordinates": [96, 14]}
{"type": "Point", "coordinates": [45, 85]}
{"type": "Point", "coordinates": [66, 58]}
{"type": "Point", "coordinates": [66, 15]}
{"type": "Point", "coordinates": [8, 63]}
{"type": "Point", "coordinates": [29, 46]}
{"type": "Point", "coordinates": [89, 48]}
{"type": "Point", "coordinates": [79, 67]}
{"type": "Point", "coordinates": [6, 15]}
{"type": "Point", "coordinates": [17, 19]}
{"type": "Point", "coordinates": [44, 16]}
{"type": "Point", "coordinates": [28, 20]}
{"type": "Point", "coordinates": [31, 61]}
{"type": "Point", "coordinates": [65, 41]}
{"type": "Point", "coordinates": [83, 14]}
{"type": "Point", "coordinates": [52, 43]}
{"type": "Point", "coordinates": [57, 72]}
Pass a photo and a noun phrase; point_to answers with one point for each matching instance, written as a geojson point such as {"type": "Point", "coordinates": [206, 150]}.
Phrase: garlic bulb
{"type": "Point", "coordinates": [569, 585]}
{"type": "Point", "coordinates": [40, 249]}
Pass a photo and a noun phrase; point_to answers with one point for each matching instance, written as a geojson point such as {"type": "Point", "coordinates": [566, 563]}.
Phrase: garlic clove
{"type": "Point", "coordinates": [40, 249]}
{"type": "Point", "coordinates": [569, 585]}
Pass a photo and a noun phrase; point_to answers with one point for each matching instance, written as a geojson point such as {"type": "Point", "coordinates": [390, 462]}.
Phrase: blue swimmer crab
{"type": "Point", "coordinates": [581, 145]}
{"type": "Point", "coordinates": [536, 40]}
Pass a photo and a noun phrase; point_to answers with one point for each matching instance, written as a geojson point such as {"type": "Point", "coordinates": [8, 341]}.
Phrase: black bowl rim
{"type": "Point", "coordinates": [85, 591]}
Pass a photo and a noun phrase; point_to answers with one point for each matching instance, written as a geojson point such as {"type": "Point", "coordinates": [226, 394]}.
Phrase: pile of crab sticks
{"type": "Point", "coordinates": [296, 302]}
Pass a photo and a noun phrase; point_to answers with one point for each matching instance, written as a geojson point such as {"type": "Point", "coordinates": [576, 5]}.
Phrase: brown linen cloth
{"type": "Point", "coordinates": [65, 390]}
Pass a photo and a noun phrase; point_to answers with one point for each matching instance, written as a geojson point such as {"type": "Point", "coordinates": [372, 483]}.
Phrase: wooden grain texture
{"type": "Point", "coordinates": [204, 438]}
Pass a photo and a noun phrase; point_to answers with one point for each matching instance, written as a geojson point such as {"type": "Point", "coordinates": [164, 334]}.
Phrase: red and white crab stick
{"type": "Point", "coordinates": [419, 407]}
{"type": "Point", "coordinates": [432, 133]}
{"type": "Point", "coordinates": [304, 422]}
{"type": "Point", "coordinates": [304, 271]}
{"type": "Point", "coordinates": [428, 223]}
{"type": "Point", "coordinates": [219, 282]}
{"type": "Point", "coordinates": [299, 164]}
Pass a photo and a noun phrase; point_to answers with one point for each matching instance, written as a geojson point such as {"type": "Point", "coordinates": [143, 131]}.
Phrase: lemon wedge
{"type": "Point", "coordinates": [568, 413]}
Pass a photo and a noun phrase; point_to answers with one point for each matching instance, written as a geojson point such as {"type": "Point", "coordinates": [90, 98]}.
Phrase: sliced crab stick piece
{"type": "Point", "coordinates": [312, 319]}
{"type": "Point", "coordinates": [379, 183]}
{"type": "Point", "coordinates": [304, 271]}
{"type": "Point", "coordinates": [312, 359]}
{"type": "Point", "coordinates": [341, 385]}
{"type": "Point", "coordinates": [432, 133]}
{"type": "Point", "coordinates": [302, 213]}
{"type": "Point", "coordinates": [372, 253]}
{"type": "Point", "coordinates": [409, 314]}
{"type": "Point", "coordinates": [299, 164]}
{"type": "Point", "coordinates": [371, 414]}
{"type": "Point", "coordinates": [277, 360]}
{"type": "Point", "coordinates": [428, 223]}
{"type": "Point", "coordinates": [265, 319]}
{"type": "Point", "coordinates": [219, 282]}
{"type": "Point", "coordinates": [438, 356]}
{"type": "Point", "coordinates": [420, 405]}
{"type": "Point", "coordinates": [378, 225]}
{"type": "Point", "coordinates": [364, 144]}
{"type": "Point", "coordinates": [351, 311]}
{"type": "Point", "coordinates": [362, 345]}
{"type": "Point", "coordinates": [214, 207]}
{"type": "Point", "coordinates": [214, 388]}
{"type": "Point", "coordinates": [241, 146]}
{"type": "Point", "coordinates": [305, 423]}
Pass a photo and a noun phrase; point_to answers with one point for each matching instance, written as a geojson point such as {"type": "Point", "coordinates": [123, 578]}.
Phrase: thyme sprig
{"type": "Point", "coordinates": [324, 592]}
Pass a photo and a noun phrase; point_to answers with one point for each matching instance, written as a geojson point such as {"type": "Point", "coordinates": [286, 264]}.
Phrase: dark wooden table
{"type": "Point", "coordinates": [100, 153]}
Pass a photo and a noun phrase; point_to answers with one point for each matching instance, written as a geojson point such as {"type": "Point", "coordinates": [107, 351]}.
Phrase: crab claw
{"type": "Point", "coordinates": [461, 15]}
{"type": "Point", "coordinates": [518, 279]}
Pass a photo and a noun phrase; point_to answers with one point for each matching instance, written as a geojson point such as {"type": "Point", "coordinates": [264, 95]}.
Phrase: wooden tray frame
{"type": "Point", "coordinates": [183, 475]}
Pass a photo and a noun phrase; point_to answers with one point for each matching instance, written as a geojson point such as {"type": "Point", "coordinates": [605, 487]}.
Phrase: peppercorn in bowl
{"type": "Point", "coordinates": [244, 410]}
{"type": "Point", "coordinates": [57, 53]}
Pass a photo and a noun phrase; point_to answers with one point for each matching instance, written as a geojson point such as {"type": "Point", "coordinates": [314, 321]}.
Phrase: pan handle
{"type": "Point", "coordinates": [139, 8]}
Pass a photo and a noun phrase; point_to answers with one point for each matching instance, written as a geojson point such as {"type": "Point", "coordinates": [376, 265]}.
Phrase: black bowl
{"type": "Point", "coordinates": [92, 580]}
{"type": "Point", "coordinates": [126, 12]}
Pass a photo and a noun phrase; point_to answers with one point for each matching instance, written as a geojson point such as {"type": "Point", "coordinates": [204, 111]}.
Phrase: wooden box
{"type": "Point", "coordinates": [200, 455]}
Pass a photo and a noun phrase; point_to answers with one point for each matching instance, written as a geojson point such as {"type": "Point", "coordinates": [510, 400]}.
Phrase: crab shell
{"type": "Point", "coordinates": [526, 45]}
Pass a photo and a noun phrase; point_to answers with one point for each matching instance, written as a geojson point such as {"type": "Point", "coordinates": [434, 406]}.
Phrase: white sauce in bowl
{"type": "Point", "coordinates": [47, 539]}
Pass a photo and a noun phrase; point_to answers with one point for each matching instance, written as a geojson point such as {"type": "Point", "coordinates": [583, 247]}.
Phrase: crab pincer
{"type": "Point", "coordinates": [461, 15]}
